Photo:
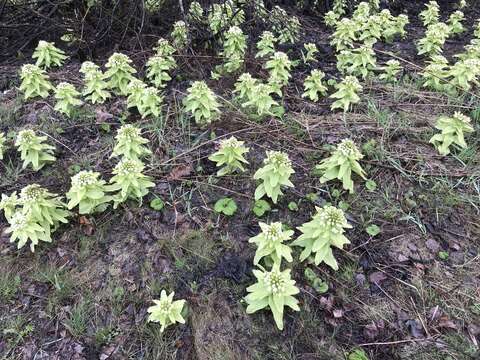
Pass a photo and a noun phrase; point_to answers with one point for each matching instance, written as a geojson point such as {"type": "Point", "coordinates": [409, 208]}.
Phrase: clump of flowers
{"type": "Point", "coordinates": [151, 103]}
{"type": "Point", "coordinates": [321, 233]}
{"type": "Point", "coordinates": [33, 216]}
{"type": "Point", "coordinates": [270, 242]}
{"type": "Point", "coordinates": [67, 98]}
{"type": "Point", "coordinates": [266, 45]}
{"type": "Point", "coordinates": [245, 87]}
{"type": "Point", "coordinates": [287, 27]}
{"type": "Point", "coordinates": [230, 156]}
{"type": "Point", "coordinates": [390, 71]}
{"type": "Point", "coordinates": [202, 103]}
{"type": "Point", "coordinates": [435, 37]}
{"type": "Point", "coordinates": [274, 289]}
{"type": "Point", "coordinates": [180, 35]}
{"type": "Point", "coordinates": [233, 51]}
{"type": "Point", "coordinates": [358, 62]}
{"type": "Point", "coordinates": [313, 85]}
{"type": "Point", "coordinates": [88, 192]}
{"type": "Point", "coordinates": [223, 15]}
{"type": "Point", "coordinates": [129, 181]}
{"type": "Point", "coordinates": [130, 143]}
{"type": "Point", "coordinates": [33, 149]}
{"type": "Point", "coordinates": [345, 34]}
{"type": "Point", "coordinates": [135, 93]}
{"type": "Point", "coordinates": [455, 22]}
{"type": "Point", "coordinates": [311, 51]}
{"type": "Point", "coordinates": [463, 74]}
{"type": "Point", "coordinates": [435, 73]}
{"type": "Point", "coordinates": [158, 68]}
{"type": "Point", "coordinates": [347, 93]}
{"type": "Point", "coordinates": [3, 140]}
{"type": "Point", "coordinates": [261, 100]}
{"type": "Point", "coordinates": [431, 14]}
{"type": "Point", "coordinates": [166, 311]}
{"type": "Point", "coordinates": [164, 49]}
{"type": "Point", "coordinates": [34, 82]}
{"type": "Point", "coordinates": [48, 55]}
{"type": "Point", "coordinates": [341, 164]}
{"type": "Point", "coordinates": [452, 130]}
{"type": "Point", "coordinates": [274, 174]}
{"type": "Point", "coordinates": [96, 88]}
{"type": "Point", "coordinates": [278, 68]}
{"type": "Point", "coordinates": [119, 72]}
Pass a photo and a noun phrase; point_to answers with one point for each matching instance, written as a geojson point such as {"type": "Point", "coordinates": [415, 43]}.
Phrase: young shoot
{"type": "Point", "coordinates": [455, 22]}
{"type": "Point", "coordinates": [119, 73]}
{"type": "Point", "coordinates": [357, 62]}
{"type": "Point", "coordinates": [24, 228]}
{"type": "Point", "coordinates": [135, 93]}
{"type": "Point", "coordinates": [261, 101]}
{"type": "Point", "coordinates": [435, 73]}
{"type": "Point", "coordinates": [311, 52]}
{"type": "Point", "coordinates": [233, 52]}
{"type": "Point", "coordinates": [151, 103]}
{"type": "Point", "coordinates": [88, 192]}
{"type": "Point", "coordinates": [3, 147]}
{"type": "Point", "coordinates": [158, 69]}
{"type": "Point", "coordinates": [34, 82]}
{"type": "Point", "coordinates": [435, 37]}
{"type": "Point", "coordinates": [274, 289]}
{"type": "Point", "coordinates": [346, 94]}
{"type": "Point", "coordinates": [321, 233]}
{"type": "Point", "coordinates": [287, 27]}
{"type": "Point", "coordinates": [452, 131]}
{"type": "Point", "coordinates": [270, 243]}
{"type": "Point", "coordinates": [341, 164]}
{"type": "Point", "coordinates": [230, 156]}
{"type": "Point", "coordinates": [129, 182]}
{"type": "Point", "coordinates": [390, 71]}
{"type": "Point", "coordinates": [431, 14]}
{"type": "Point", "coordinates": [266, 45]}
{"type": "Point", "coordinates": [130, 143]}
{"type": "Point", "coordinates": [202, 103]}
{"type": "Point", "coordinates": [96, 88]}
{"type": "Point", "coordinates": [48, 55]}
{"type": "Point", "coordinates": [179, 35]}
{"type": "Point", "coordinates": [166, 311]}
{"type": "Point", "coordinates": [33, 150]}
{"type": "Point", "coordinates": [463, 74]}
{"type": "Point", "coordinates": [273, 175]}
{"type": "Point", "coordinates": [245, 87]}
{"type": "Point", "coordinates": [67, 99]}
{"type": "Point", "coordinates": [278, 68]}
{"type": "Point", "coordinates": [345, 34]}
{"type": "Point", "coordinates": [195, 12]}
{"type": "Point", "coordinates": [313, 85]}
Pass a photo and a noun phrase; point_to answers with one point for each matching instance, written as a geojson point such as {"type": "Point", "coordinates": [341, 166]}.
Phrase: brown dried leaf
{"type": "Point", "coordinates": [180, 171]}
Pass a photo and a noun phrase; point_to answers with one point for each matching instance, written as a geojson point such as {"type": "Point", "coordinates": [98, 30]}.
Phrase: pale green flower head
{"type": "Point", "coordinates": [273, 289]}
{"type": "Point", "coordinates": [23, 228]}
{"type": "Point", "coordinates": [333, 219]}
{"type": "Point", "coordinates": [88, 192]}
{"type": "Point", "coordinates": [88, 67]}
{"type": "Point", "coordinates": [8, 204]}
{"type": "Point", "coordinates": [270, 242]}
{"type": "Point", "coordinates": [34, 82]}
{"type": "Point", "coordinates": [164, 48]}
{"type": "Point", "coordinates": [33, 150]}
{"type": "Point", "coordinates": [3, 140]}
{"type": "Point", "coordinates": [347, 148]}
{"type": "Point", "coordinates": [166, 311]}
{"type": "Point", "coordinates": [130, 143]}
{"type": "Point", "coordinates": [230, 156]}
{"type": "Point", "coordinates": [274, 174]}
{"type": "Point", "coordinates": [48, 55]}
{"type": "Point", "coordinates": [67, 98]}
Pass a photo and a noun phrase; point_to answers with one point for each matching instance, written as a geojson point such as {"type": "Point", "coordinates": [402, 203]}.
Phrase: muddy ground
{"type": "Point", "coordinates": [410, 292]}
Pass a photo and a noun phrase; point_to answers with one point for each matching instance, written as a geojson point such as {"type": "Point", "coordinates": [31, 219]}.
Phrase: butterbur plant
{"type": "Point", "coordinates": [346, 94]}
{"type": "Point", "coordinates": [33, 149]}
{"type": "Point", "coordinates": [135, 93]}
{"type": "Point", "coordinates": [230, 156]}
{"type": "Point", "coordinates": [261, 100]}
{"type": "Point", "coordinates": [233, 51]}
{"type": "Point", "coordinates": [34, 82]}
{"type": "Point", "coordinates": [452, 131]}
{"type": "Point", "coordinates": [313, 85]}
{"type": "Point", "coordinates": [326, 229]}
{"type": "Point", "coordinates": [67, 98]}
{"type": "Point", "coordinates": [431, 14]}
{"type": "Point", "coordinates": [119, 73]}
{"type": "Point", "coordinates": [88, 191]}
{"type": "Point", "coordinates": [245, 87]}
{"type": "Point", "coordinates": [270, 242]}
{"type": "Point", "coordinates": [166, 311]}
{"type": "Point", "coordinates": [165, 50]}
{"type": "Point", "coordinates": [9, 204]}
{"type": "Point", "coordinates": [434, 39]}
{"type": "Point", "coordinates": [151, 102]}
{"type": "Point", "coordinates": [273, 175]}
{"type": "Point", "coordinates": [202, 103]}
{"type": "Point", "coordinates": [358, 62]}
{"type": "Point", "coordinates": [96, 88]}
{"type": "Point", "coordinates": [341, 164]}
{"type": "Point", "coordinates": [48, 55]}
{"type": "Point", "coordinates": [435, 73]}
{"type": "Point", "coordinates": [158, 68]}
{"type": "Point", "coordinates": [287, 27]}
{"type": "Point", "coordinates": [24, 228]}
{"type": "Point", "coordinates": [390, 71]}
{"type": "Point", "coordinates": [43, 207]}
{"type": "Point", "coordinates": [129, 182]}
{"type": "Point", "coordinates": [463, 74]}
{"type": "Point", "coordinates": [278, 68]}
{"type": "Point", "coordinates": [311, 51]}
{"type": "Point", "coordinates": [455, 22]}
{"type": "Point", "coordinates": [266, 45]}
{"type": "Point", "coordinates": [274, 289]}
{"type": "Point", "coordinates": [129, 143]}
{"type": "Point", "coordinates": [180, 35]}
{"type": "Point", "coordinates": [345, 34]}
